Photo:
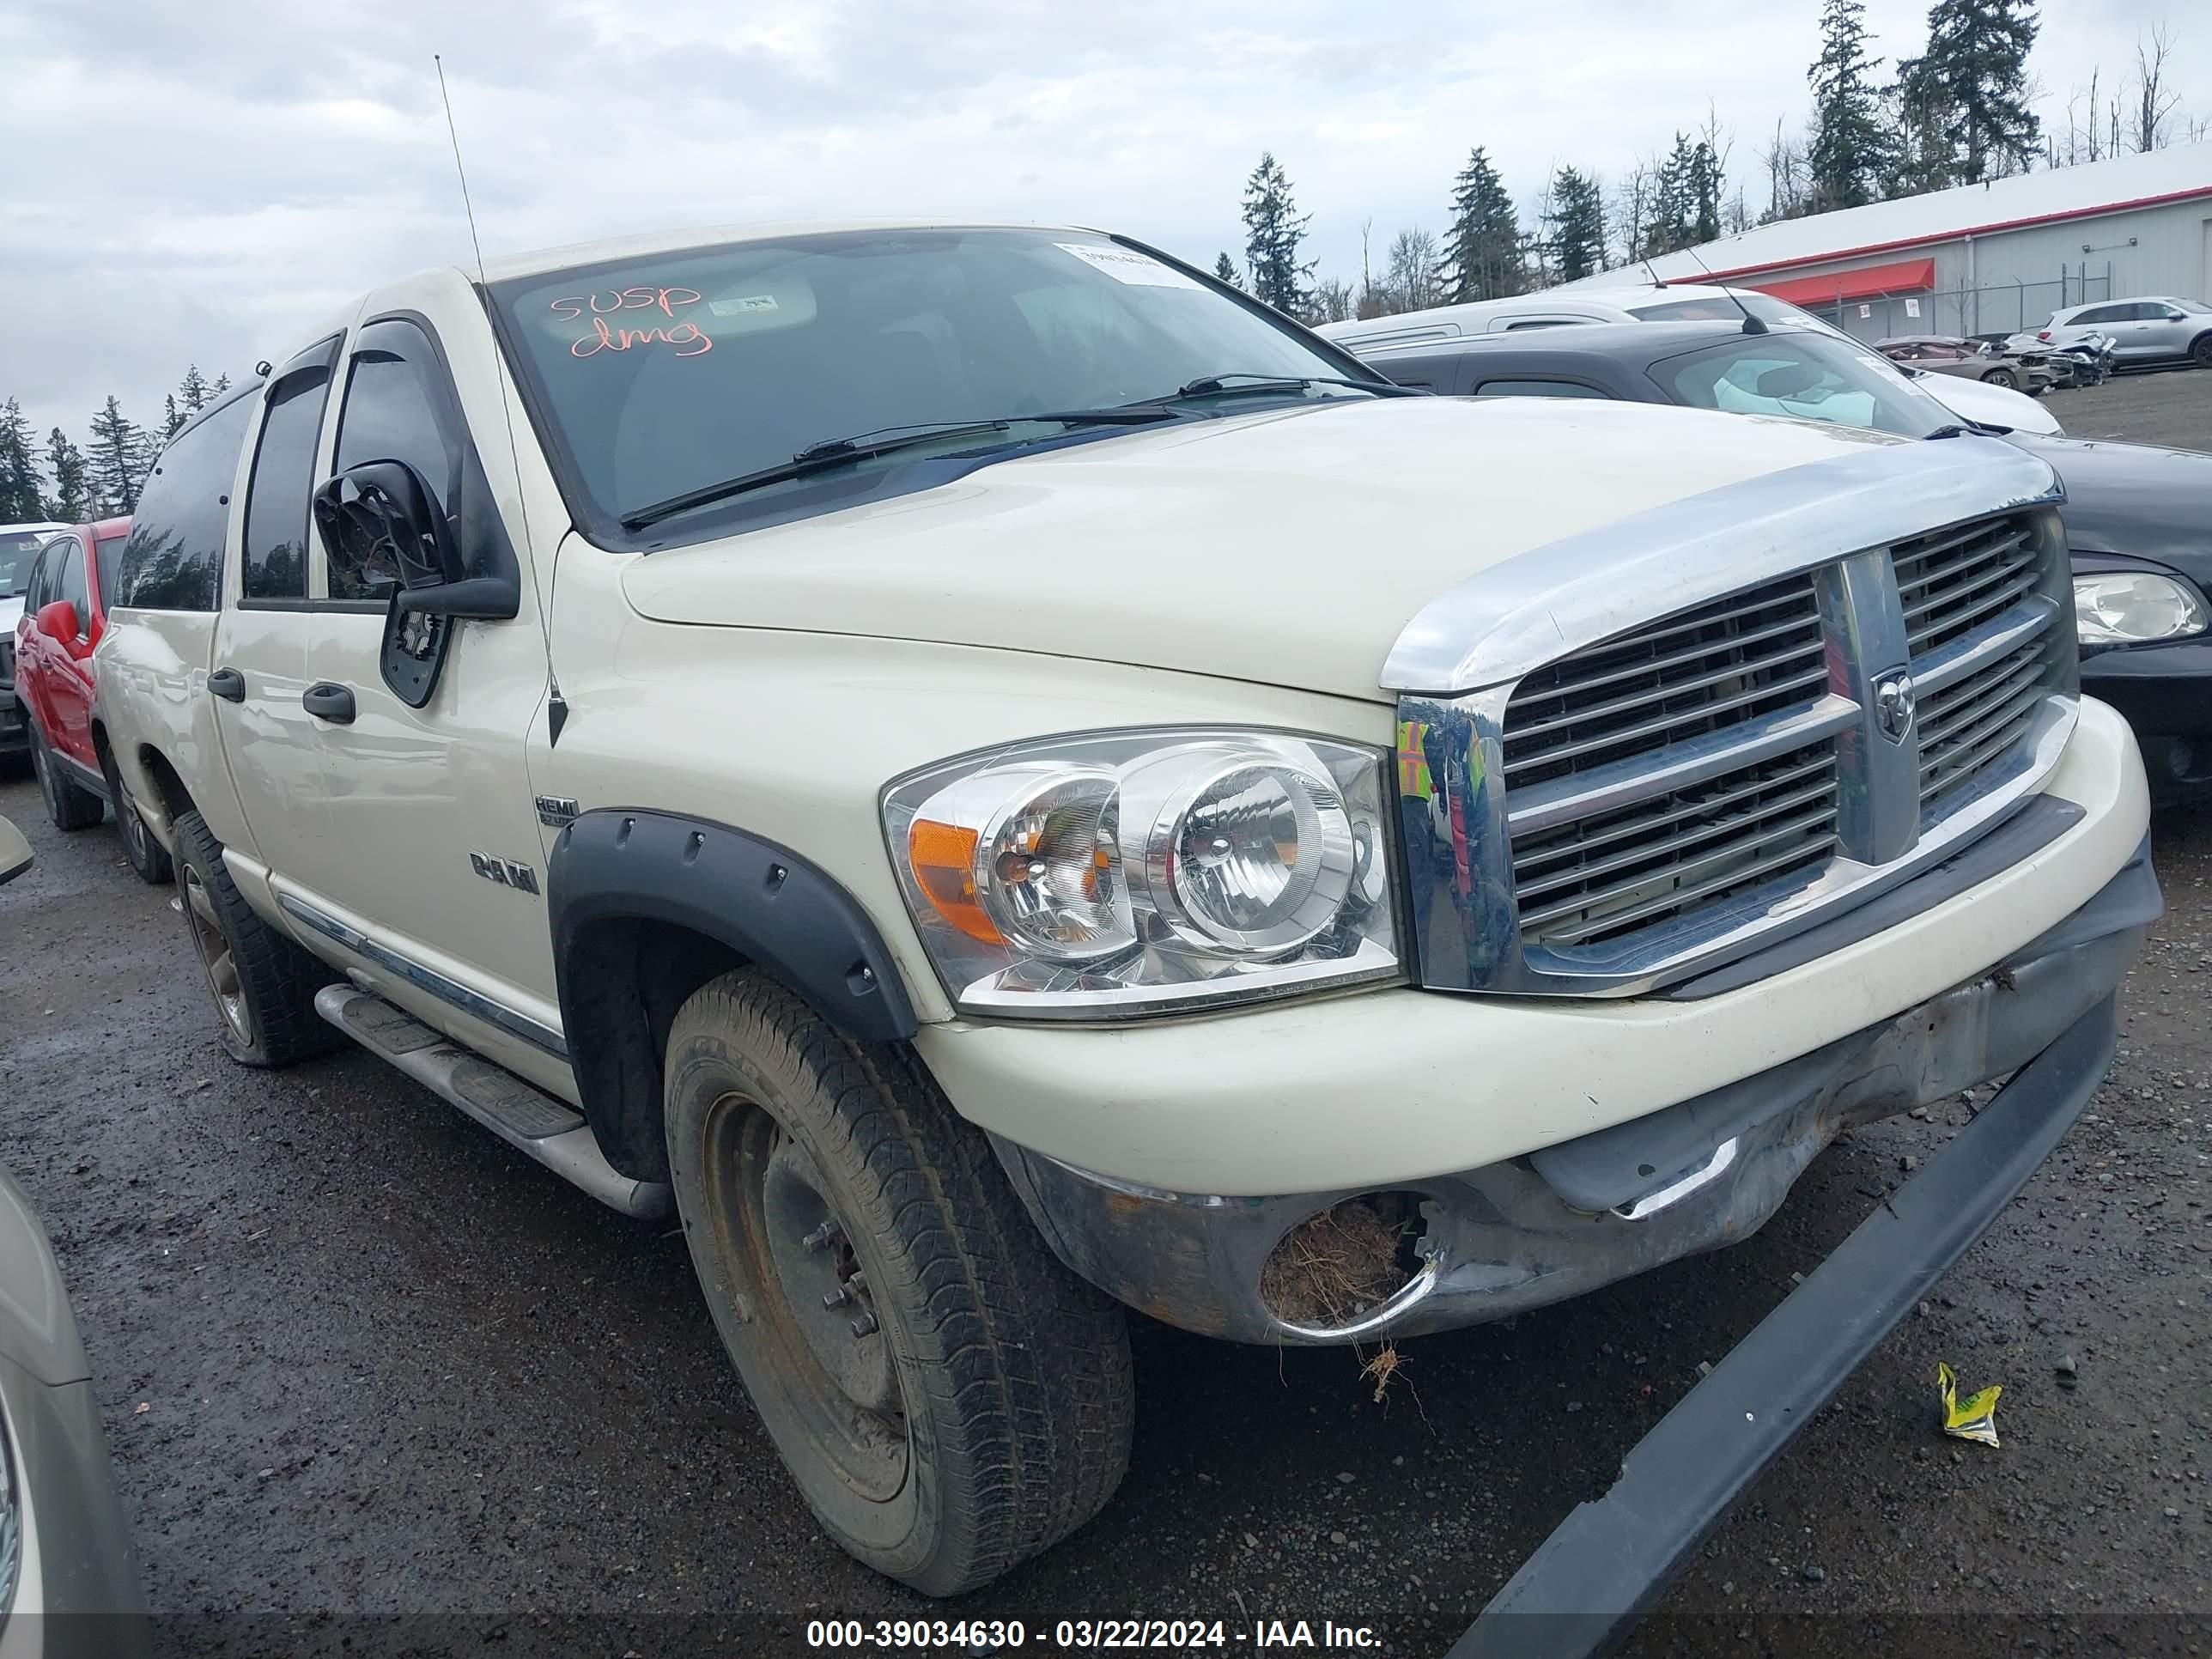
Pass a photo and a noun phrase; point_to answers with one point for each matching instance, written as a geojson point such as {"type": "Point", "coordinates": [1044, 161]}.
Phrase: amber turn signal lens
{"type": "Point", "coordinates": [943, 858]}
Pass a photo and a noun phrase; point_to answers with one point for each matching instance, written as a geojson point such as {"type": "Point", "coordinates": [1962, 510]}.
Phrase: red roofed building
{"type": "Point", "coordinates": [1985, 258]}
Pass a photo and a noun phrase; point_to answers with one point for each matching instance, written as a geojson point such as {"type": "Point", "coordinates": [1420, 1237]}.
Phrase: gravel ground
{"type": "Point", "coordinates": [376, 1384]}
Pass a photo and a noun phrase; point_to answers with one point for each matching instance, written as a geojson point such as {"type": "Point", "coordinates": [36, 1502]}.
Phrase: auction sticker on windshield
{"type": "Point", "coordinates": [1126, 266]}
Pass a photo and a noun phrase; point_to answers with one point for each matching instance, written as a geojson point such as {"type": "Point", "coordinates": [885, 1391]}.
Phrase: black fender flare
{"type": "Point", "coordinates": [612, 869]}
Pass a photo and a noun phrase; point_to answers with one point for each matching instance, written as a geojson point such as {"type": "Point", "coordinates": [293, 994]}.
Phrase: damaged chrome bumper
{"type": "Point", "coordinates": [1497, 1240]}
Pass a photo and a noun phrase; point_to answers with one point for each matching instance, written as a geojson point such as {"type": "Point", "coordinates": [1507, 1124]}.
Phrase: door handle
{"type": "Point", "coordinates": [228, 683]}
{"type": "Point", "coordinates": [329, 702]}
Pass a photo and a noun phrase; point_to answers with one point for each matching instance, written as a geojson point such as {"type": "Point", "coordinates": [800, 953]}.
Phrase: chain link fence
{"type": "Point", "coordinates": [1994, 308]}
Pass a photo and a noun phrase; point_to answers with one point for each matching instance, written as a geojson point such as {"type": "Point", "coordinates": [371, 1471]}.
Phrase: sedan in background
{"type": "Point", "coordinates": [2136, 515]}
{"type": "Point", "coordinates": [1947, 354]}
{"type": "Point", "coordinates": [2156, 329]}
{"type": "Point", "coordinates": [19, 551]}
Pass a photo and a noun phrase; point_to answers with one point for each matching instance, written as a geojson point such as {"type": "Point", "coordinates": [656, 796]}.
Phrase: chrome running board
{"type": "Point", "coordinates": [526, 1118]}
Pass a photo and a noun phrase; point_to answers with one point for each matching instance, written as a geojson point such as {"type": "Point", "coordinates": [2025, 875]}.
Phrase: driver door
{"type": "Point", "coordinates": [434, 868]}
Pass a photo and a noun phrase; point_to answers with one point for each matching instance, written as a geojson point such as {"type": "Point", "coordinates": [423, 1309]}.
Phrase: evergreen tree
{"type": "Point", "coordinates": [1483, 258]}
{"type": "Point", "coordinates": [1701, 189]}
{"type": "Point", "coordinates": [172, 418]}
{"type": "Point", "coordinates": [193, 391]}
{"type": "Point", "coordinates": [1846, 153]}
{"type": "Point", "coordinates": [222, 384]}
{"type": "Point", "coordinates": [1971, 83]}
{"type": "Point", "coordinates": [72, 501]}
{"type": "Point", "coordinates": [120, 456]}
{"type": "Point", "coordinates": [1224, 270]}
{"type": "Point", "coordinates": [20, 502]}
{"type": "Point", "coordinates": [1576, 224]}
{"type": "Point", "coordinates": [1274, 229]}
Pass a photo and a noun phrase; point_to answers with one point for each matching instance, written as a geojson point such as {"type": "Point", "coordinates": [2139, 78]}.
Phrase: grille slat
{"type": "Point", "coordinates": [1644, 854]}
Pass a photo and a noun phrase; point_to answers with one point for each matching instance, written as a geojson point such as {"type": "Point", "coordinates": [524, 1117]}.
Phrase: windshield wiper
{"type": "Point", "coordinates": [833, 453]}
{"type": "Point", "coordinates": [1247, 383]}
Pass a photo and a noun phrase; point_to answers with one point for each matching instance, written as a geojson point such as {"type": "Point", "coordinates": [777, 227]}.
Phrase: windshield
{"type": "Point", "coordinates": [19, 550]}
{"type": "Point", "coordinates": [1806, 377]}
{"type": "Point", "coordinates": [672, 373]}
{"type": "Point", "coordinates": [2197, 307]}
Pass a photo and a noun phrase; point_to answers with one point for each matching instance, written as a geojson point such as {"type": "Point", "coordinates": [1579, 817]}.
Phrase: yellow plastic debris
{"type": "Point", "coordinates": [1974, 1418]}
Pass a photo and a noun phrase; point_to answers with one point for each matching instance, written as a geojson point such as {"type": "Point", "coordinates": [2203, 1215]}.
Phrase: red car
{"type": "Point", "coordinates": [64, 610]}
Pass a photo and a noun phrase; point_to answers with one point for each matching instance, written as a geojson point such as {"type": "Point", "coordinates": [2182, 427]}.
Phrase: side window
{"type": "Point", "coordinates": [275, 536]}
{"type": "Point", "coordinates": [34, 591]}
{"type": "Point", "coordinates": [399, 407]}
{"type": "Point", "coordinates": [175, 554]}
{"type": "Point", "coordinates": [2098, 314]}
{"type": "Point", "coordinates": [106, 558]}
{"type": "Point", "coordinates": [69, 582]}
{"type": "Point", "coordinates": [1535, 389]}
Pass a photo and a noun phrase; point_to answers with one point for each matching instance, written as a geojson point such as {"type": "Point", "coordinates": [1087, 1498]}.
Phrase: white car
{"type": "Point", "coordinates": [1975, 400]}
{"type": "Point", "coordinates": [19, 551]}
{"type": "Point", "coordinates": [2160, 328]}
{"type": "Point", "coordinates": [997, 778]}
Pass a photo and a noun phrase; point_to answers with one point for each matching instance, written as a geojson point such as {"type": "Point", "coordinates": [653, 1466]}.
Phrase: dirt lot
{"type": "Point", "coordinates": [376, 1385]}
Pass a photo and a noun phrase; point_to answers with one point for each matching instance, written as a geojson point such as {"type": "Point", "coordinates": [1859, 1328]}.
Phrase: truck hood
{"type": "Point", "coordinates": [1288, 547]}
{"type": "Point", "coordinates": [2134, 498]}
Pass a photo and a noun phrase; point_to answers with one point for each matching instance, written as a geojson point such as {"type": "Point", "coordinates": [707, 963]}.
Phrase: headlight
{"type": "Point", "coordinates": [2127, 607]}
{"type": "Point", "coordinates": [1085, 877]}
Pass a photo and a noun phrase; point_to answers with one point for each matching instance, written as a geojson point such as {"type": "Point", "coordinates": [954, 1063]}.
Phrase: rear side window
{"type": "Point", "coordinates": [276, 497]}
{"type": "Point", "coordinates": [173, 558]}
{"type": "Point", "coordinates": [34, 590]}
{"type": "Point", "coordinates": [1535, 389]}
{"type": "Point", "coordinates": [106, 562]}
{"type": "Point", "coordinates": [2098, 314]}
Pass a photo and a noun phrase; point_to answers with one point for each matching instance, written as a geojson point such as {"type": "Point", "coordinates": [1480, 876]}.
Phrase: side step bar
{"type": "Point", "coordinates": [526, 1118]}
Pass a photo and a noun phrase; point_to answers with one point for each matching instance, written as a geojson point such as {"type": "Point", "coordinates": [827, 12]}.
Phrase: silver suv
{"type": "Point", "coordinates": [2158, 328]}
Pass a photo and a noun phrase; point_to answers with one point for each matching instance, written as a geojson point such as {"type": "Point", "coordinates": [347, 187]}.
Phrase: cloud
{"type": "Point", "coordinates": [207, 183]}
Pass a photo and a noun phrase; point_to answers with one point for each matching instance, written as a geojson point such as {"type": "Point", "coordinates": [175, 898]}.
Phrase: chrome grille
{"type": "Point", "coordinates": [1707, 669]}
{"type": "Point", "coordinates": [1690, 772]}
{"type": "Point", "coordinates": [1602, 877]}
{"type": "Point", "coordinates": [1951, 583]}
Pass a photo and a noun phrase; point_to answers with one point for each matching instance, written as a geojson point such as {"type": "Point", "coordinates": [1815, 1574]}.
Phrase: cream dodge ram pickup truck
{"type": "Point", "coordinates": [998, 778]}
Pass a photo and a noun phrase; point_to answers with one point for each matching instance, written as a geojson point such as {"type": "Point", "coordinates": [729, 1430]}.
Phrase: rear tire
{"type": "Point", "coordinates": [69, 803]}
{"type": "Point", "coordinates": [949, 1398]}
{"type": "Point", "coordinates": [147, 856]}
{"type": "Point", "coordinates": [2007, 378]}
{"type": "Point", "coordinates": [263, 985]}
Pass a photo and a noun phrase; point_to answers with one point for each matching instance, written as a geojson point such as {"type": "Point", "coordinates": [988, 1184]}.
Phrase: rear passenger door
{"type": "Point", "coordinates": [261, 642]}
{"type": "Point", "coordinates": [436, 845]}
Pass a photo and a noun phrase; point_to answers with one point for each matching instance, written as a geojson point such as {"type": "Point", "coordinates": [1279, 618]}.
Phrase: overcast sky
{"type": "Point", "coordinates": [204, 180]}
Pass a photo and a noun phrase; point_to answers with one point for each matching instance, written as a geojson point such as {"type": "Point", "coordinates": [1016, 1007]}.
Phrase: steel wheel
{"type": "Point", "coordinates": [215, 956]}
{"type": "Point", "coordinates": [791, 1258]}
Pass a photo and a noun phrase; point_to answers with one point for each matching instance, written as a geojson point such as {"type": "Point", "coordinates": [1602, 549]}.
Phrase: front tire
{"type": "Point", "coordinates": [69, 803]}
{"type": "Point", "coordinates": [2200, 349]}
{"type": "Point", "coordinates": [263, 985]}
{"type": "Point", "coordinates": [2004, 377]}
{"type": "Point", "coordinates": [950, 1399]}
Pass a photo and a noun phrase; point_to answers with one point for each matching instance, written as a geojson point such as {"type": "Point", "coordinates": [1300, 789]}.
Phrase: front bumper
{"type": "Point", "coordinates": [1523, 1233]}
{"type": "Point", "coordinates": [1606, 1564]}
{"type": "Point", "coordinates": [2164, 692]}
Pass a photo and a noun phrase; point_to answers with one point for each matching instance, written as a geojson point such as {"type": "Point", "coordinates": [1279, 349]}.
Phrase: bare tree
{"type": "Point", "coordinates": [1631, 209]}
{"type": "Point", "coordinates": [1788, 178]}
{"type": "Point", "coordinates": [1409, 270]}
{"type": "Point", "coordinates": [2155, 98]}
{"type": "Point", "coordinates": [1330, 301]}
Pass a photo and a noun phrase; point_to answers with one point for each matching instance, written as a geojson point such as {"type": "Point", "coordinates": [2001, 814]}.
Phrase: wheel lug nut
{"type": "Point", "coordinates": [837, 1299]}
{"type": "Point", "coordinates": [855, 1282]}
{"type": "Point", "coordinates": [864, 1325]}
{"type": "Point", "coordinates": [822, 1236]}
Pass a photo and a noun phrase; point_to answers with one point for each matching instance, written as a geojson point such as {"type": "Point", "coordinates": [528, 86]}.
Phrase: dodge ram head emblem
{"type": "Point", "coordinates": [1893, 705]}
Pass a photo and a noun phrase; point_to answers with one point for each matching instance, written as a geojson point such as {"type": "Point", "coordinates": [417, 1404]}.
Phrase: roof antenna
{"type": "Point", "coordinates": [1751, 324]}
{"type": "Point", "coordinates": [556, 708]}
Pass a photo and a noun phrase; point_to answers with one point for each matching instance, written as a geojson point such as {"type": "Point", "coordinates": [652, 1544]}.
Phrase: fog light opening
{"type": "Point", "coordinates": [1338, 1271]}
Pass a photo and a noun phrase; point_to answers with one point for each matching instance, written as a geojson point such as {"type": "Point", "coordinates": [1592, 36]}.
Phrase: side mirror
{"type": "Point", "coordinates": [384, 519]}
{"type": "Point", "coordinates": [58, 622]}
{"type": "Point", "coordinates": [15, 852]}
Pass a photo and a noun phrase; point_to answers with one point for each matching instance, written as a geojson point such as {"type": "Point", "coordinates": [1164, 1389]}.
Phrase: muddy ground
{"type": "Point", "coordinates": [375, 1383]}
